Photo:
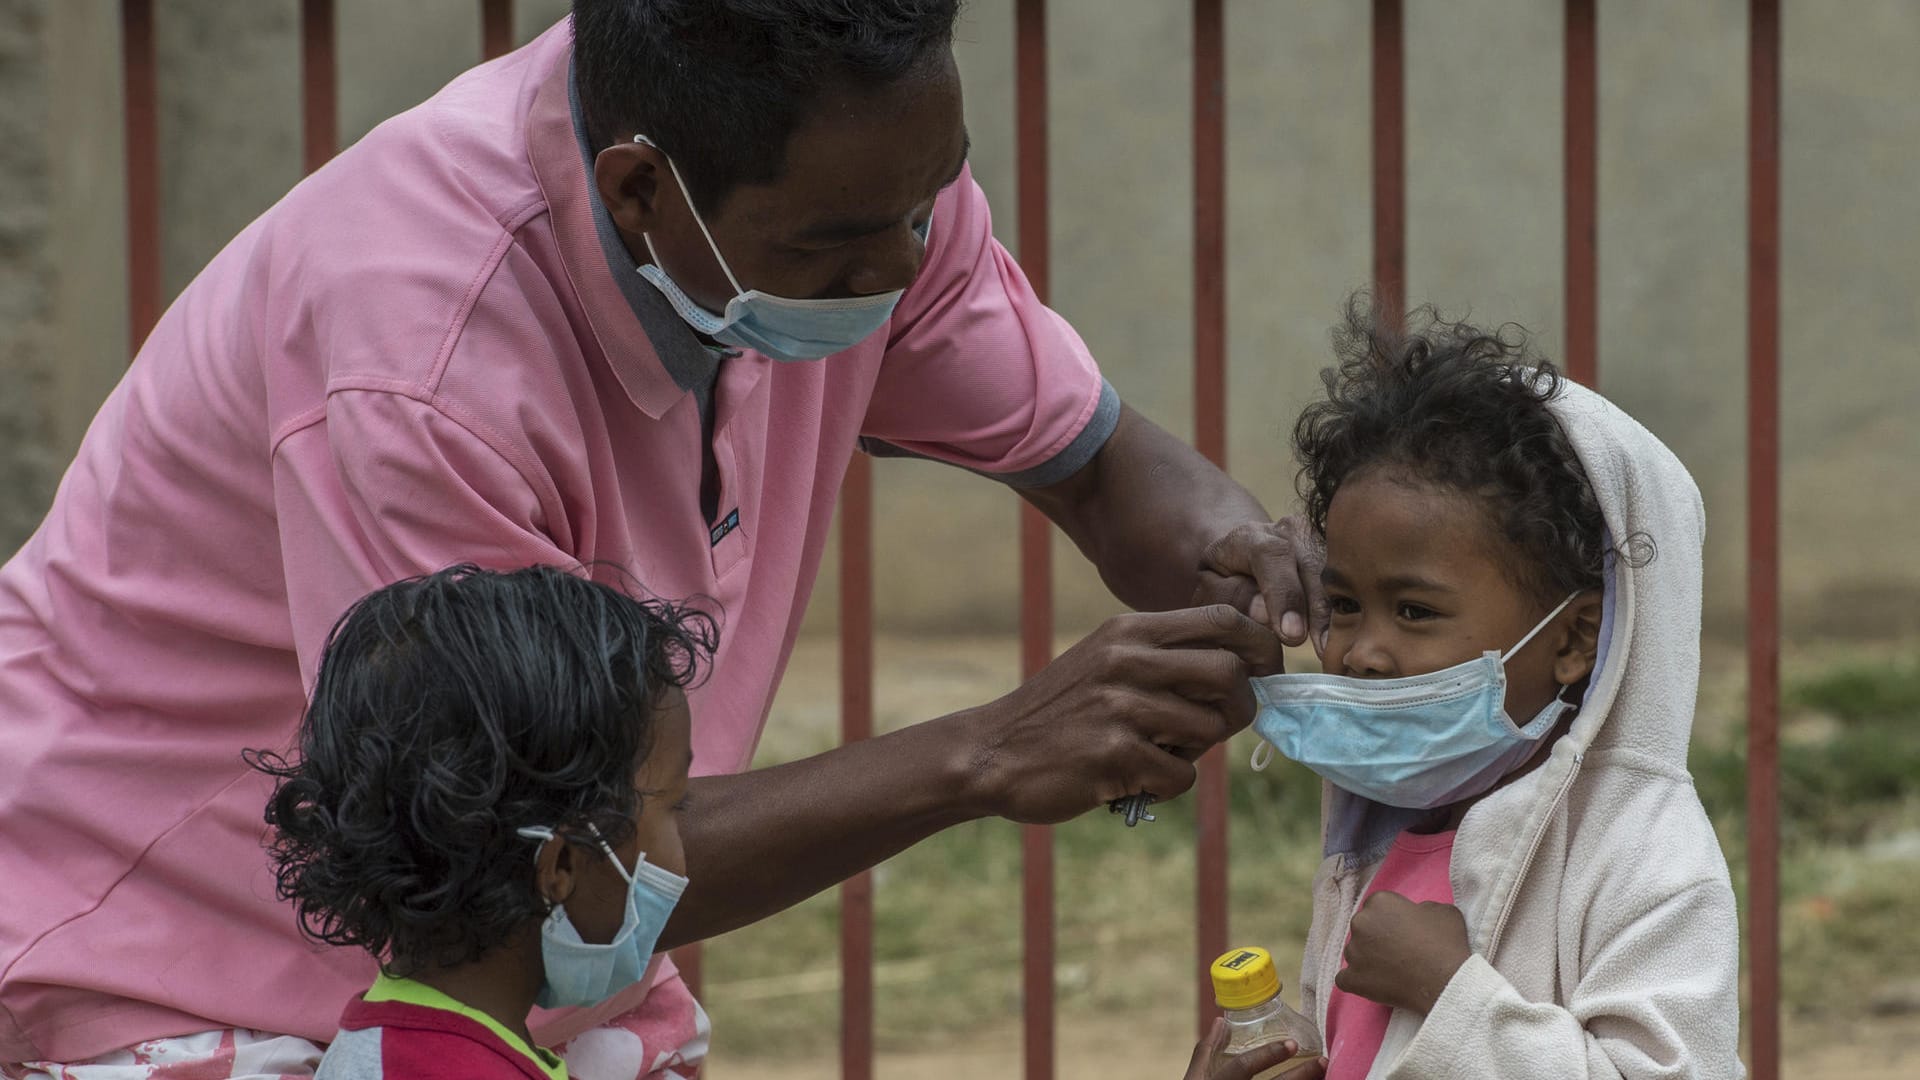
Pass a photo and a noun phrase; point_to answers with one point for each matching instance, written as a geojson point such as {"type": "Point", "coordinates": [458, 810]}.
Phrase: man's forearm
{"type": "Point", "coordinates": [761, 841]}
{"type": "Point", "coordinates": [1145, 510]}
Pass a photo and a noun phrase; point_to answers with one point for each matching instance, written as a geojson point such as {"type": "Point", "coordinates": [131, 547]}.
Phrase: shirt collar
{"type": "Point", "coordinates": [691, 362]}
{"type": "Point", "coordinates": [408, 992]}
{"type": "Point", "coordinates": [627, 342]}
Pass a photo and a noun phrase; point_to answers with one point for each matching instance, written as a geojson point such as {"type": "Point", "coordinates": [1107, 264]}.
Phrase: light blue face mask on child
{"type": "Point", "coordinates": [1417, 742]}
{"type": "Point", "coordinates": [579, 973]}
{"type": "Point", "coordinates": [782, 329]}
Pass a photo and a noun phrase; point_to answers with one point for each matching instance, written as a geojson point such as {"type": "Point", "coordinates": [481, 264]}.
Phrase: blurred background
{"type": "Point", "coordinates": [1484, 238]}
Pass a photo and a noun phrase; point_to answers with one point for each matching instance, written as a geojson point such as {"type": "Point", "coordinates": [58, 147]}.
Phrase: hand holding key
{"type": "Point", "coordinates": [1124, 712]}
{"type": "Point", "coordinates": [1134, 807]}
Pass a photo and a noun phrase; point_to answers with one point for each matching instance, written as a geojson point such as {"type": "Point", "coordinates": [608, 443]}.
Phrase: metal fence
{"type": "Point", "coordinates": [320, 139]}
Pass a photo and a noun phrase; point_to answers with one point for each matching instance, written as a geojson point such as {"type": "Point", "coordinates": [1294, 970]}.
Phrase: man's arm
{"type": "Point", "coordinates": [1119, 713]}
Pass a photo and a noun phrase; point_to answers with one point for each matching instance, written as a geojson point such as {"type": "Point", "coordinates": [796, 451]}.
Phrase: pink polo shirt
{"type": "Point", "coordinates": [419, 356]}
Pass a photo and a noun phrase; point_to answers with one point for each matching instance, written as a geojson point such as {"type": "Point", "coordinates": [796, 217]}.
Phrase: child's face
{"type": "Point", "coordinates": [599, 901]}
{"type": "Point", "coordinates": [1415, 582]}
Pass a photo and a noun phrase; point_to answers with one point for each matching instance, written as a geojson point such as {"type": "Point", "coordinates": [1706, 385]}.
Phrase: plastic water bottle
{"type": "Point", "coordinates": [1248, 988]}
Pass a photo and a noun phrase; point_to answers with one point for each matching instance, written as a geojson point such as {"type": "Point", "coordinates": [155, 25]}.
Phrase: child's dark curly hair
{"type": "Point", "coordinates": [1464, 409]}
{"type": "Point", "coordinates": [451, 710]}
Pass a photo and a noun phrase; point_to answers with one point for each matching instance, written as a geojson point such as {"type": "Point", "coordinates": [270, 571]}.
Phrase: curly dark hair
{"type": "Point", "coordinates": [1463, 409]}
{"type": "Point", "coordinates": [720, 85]}
{"type": "Point", "coordinates": [451, 710]}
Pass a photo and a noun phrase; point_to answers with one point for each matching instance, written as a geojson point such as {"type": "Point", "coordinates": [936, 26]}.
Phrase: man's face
{"type": "Point", "coordinates": [861, 174]}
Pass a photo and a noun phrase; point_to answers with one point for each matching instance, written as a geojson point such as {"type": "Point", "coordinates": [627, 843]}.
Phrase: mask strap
{"type": "Point", "coordinates": [535, 832]}
{"type": "Point", "coordinates": [697, 220]}
{"type": "Point", "coordinates": [1262, 756]}
{"type": "Point", "coordinates": [543, 834]}
{"type": "Point", "coordinates": [1539, 626]}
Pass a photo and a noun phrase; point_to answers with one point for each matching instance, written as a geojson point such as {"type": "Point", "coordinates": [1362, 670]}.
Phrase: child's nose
{"type": "Point", "coordinates": [1365, 659]}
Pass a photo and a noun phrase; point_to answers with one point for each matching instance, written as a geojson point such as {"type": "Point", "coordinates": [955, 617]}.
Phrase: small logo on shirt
{"type": "Point", "coordinates": [727, 524]}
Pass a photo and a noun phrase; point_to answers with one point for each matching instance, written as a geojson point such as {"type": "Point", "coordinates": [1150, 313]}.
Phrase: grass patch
{"type": "Point", "coordinates": [1851, 755]}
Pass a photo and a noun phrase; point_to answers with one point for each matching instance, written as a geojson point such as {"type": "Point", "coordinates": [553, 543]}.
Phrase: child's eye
{"type": "Point", "coordinates": [1343, 605]}
{"type": "Point", "coordinates": [1415, 613]}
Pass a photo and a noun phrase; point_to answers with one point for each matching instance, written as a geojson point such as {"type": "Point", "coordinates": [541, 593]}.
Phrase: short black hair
{"type": "Point", "coordinates": [451, 710]}
{"type": "Point", "coordinates": [1463, 409]}
{"type": "Point", "coordinates": [720, 85]}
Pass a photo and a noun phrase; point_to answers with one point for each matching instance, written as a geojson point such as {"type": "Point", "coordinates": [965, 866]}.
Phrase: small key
{"type": "Point", "coordinates": [1134, 807]}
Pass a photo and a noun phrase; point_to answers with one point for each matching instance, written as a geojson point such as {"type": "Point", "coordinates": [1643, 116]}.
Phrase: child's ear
{"type": "Point", "coordinates": [1581, 645]}
{"type": "Point", "coordinates": [554, 871]}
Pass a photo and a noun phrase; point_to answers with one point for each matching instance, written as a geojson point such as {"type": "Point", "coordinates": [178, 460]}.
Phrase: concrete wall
{"type": "Point", "coordinates": [1484, 205]}
{"type": "Point", "coordinates": [29, 463]}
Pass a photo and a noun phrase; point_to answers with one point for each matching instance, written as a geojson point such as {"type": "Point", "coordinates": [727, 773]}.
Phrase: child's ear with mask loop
{"type": "Point", "coordinates": [1579, 638]}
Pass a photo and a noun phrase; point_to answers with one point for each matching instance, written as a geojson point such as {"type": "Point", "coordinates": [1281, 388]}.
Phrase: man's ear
{"type": "Point", "coordinates": [1580, 642]}
{"type": "Point", "coordinates": [633, 178]}
{"type": "Point", "coordinates": [555, 872]}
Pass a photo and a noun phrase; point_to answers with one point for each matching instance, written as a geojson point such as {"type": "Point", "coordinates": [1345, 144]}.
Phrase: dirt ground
{"type": "Point", "coordinates": [1871, 1048]}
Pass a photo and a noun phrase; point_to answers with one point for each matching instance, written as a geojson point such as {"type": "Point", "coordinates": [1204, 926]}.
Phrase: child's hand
{"type": "Point", "coordinates": [1207, 1063]}
{"type": "Point", "coordinates": [1403, 954]}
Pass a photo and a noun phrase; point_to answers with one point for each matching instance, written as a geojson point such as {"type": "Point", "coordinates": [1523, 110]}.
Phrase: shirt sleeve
{"type": "Point", "coordinates": [386, 487]}
{"type": "Point", "coordinates": [978, 372]}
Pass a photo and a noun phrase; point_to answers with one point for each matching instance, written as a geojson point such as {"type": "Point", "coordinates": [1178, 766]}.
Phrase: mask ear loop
{"type": "Point", "coordinates": [697, 220]}
{"type": "Point", "coordinates": [1539, 626]}
{"type": "Point", "coordinates": [1262, 756]}
{"type": "Point", "coordinates": [535, 832]}
{"type": "Point", "coordinates": [543, 834]}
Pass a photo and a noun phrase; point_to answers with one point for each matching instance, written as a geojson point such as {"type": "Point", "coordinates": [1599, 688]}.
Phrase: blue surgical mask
{"type": "Point", "coordinates": [1417, 742]}
{"type": "Point", "coordinates": [774, 326]}
{"type": "Point", "coordinates": [580, 973]}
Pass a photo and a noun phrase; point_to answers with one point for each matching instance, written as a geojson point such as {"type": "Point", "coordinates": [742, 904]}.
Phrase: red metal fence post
{"type": "Point", "coordinates": [1036, 565]}
{"type": "Point", "coordinates": [496, 28]}
{"type": "Point", "coordinates": [320, 120]}
{"type": "Point", "coordinates": [1763, 536]}
{"type": "Point", "coordinates": [143, 170]}
{"type": "Point", "coordinates": [856, 723]}
{"type": "Point", "coordinates": [1389, 161]}
{"type": "Point", "coordinates": [1582, 183]}
{"type": "Point", "coordinates": [1210, 436]}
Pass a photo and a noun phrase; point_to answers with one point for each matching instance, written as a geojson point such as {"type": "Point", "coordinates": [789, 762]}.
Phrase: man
{"type": "Point", "coordinates": [629, 297]}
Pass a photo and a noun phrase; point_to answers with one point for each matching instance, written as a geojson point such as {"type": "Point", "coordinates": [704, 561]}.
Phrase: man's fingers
{"type": "Point", "coordinates": [1176, 723]}
{"type": "Point", "coordinates": [1164, 774]}
{"type": "Point", "coordinates": [1216, 627]}
{"type": "Point", "coordinates": [1213, 678]}
{"type": "Point", "coordinates": [1233, 590]}
{"type": "Point", "coordinates": [1282, 561]}
{"type": "Point", "coordinates": [1283, 591]}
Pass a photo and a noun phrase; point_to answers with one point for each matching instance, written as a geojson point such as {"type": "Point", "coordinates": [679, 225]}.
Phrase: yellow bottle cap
{"type": "Point", "coordinates": [1244, 977]}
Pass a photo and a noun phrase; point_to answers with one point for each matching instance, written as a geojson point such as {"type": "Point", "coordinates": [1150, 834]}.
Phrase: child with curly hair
{"type": "Point", "coordinates": [1519, 880]}
{"type": "Point", "coordinates": [485, 798]}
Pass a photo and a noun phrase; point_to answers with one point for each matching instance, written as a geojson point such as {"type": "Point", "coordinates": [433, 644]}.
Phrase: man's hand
{"type": "Point", "coordinates": [1207, 1064]}
{"type": "Point", "coordinates": [1125, 711]}
{"type": "Point", "coordinates": [1403, 954]}
{"type": "Point", "coordinates": [1271, 571]}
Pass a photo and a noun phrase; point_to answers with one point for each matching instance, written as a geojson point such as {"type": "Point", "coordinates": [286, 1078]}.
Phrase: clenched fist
{"type": "Point", "coordinates": [1403, 954]}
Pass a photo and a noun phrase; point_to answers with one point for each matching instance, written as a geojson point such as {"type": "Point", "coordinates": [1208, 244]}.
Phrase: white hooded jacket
{"type": "Point", "coordinates": [1604, 934]}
